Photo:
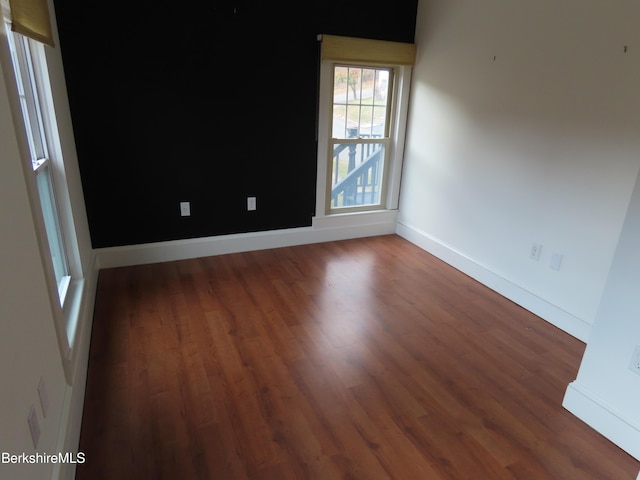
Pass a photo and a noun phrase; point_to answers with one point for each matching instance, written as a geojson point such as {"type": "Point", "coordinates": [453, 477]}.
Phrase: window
{"type": "Point", "coordinates": [31, 96]}
{"type": "Point", "coordinates": [363, 99]}
{"type": "Point", "coordinates": [23, 63]}
{"type": "Point", "coordinates": [359, 137]}
{"type": "Point", "coordinates": [31, 92]}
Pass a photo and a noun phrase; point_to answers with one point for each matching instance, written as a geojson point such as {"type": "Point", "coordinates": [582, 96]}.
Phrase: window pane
{"type": "Point", "coordinates": [23, 68]}
{"type": "Point", "coordinates": [54, 237]}
{"type": "Point", "coordinates": [21, 55]}
{"type": "Point", "coordinates": [356, 174]}
{"type": "Point", "coordinates": [360, 102]}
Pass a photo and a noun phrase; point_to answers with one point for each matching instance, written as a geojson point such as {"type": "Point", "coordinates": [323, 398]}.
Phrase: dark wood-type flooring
{"type": "Point", "coordinates": [361, 359]}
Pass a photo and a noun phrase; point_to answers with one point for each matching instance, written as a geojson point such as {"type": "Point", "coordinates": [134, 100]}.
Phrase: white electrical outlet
{"type": "Point", "coordinates": [185, 209]}
{"type": "Point", "coordinates": [634, 364]}
{"type": "Point", "coordinates": [534, 254]}
{"type": "Point", "coordinates": [251, 203]}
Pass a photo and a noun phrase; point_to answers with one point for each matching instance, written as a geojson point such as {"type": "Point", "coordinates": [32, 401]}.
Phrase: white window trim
{"type": "Point", "coordinates": [400, 98]}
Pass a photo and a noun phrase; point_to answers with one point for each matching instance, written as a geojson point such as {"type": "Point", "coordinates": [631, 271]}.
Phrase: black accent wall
{"type": "Point", "coordinates": [207, 102]}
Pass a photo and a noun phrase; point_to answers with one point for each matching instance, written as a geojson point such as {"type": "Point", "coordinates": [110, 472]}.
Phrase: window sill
{"type": "Point", "coordinates": [356, 219]}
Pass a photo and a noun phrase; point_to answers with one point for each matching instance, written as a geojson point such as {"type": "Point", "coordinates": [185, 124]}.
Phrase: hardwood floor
{"type": "Point", "coordinates": [361, 359]}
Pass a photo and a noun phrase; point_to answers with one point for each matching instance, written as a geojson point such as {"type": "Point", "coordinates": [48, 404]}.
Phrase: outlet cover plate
{"type": "Point", "coordinates": [534, 254]}
{"type": "Point", "coordinates": [634, 364]}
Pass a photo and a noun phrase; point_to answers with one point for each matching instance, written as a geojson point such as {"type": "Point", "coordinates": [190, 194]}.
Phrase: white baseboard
{"type": "Point", "coordinates": [552, 314]}
{"type": "Point", "coordinates": [603, 418]}
{"type": "Point", "coordinates": [324, 229]}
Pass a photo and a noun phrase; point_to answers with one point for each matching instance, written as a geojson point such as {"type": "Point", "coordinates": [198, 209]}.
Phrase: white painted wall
{"type": "Point", "coordinates": [539, 145]}
{"type": "Point", "coordinates": [524, 127]}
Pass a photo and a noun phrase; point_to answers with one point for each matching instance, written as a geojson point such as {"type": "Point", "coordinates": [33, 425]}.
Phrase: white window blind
{"type": "Point", "coordinates": [31, 19]}
{"type": "Point", "coordinates": [362, 50]}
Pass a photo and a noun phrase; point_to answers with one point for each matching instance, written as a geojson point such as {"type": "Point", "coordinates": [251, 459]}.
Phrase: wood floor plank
{"type": "Point", "coordinates": [360, 359]}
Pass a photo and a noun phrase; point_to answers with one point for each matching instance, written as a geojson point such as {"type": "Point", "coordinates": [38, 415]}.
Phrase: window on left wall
{"type": "Point", "coordinates": [24, 57]}
{"type": "Point", "coordinates": [25, 63]}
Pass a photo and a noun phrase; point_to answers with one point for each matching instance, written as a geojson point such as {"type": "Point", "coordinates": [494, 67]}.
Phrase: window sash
{"type": "Point", "coordinates": [43, 170]}
{"type": "Point", "coordinates": [351, 103]}
{"type": "Point", "coordinates": [366, 166]}
{"type": "Point", "coordinates": [31, 113]}
{"type": "Point", "coordinates": [52, 227]}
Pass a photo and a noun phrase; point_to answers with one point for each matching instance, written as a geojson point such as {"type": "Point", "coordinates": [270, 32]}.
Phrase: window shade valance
{"type": "Point", "coordinates": [359, 50]}
{"type": "Point", "coordinates": [31, 19]}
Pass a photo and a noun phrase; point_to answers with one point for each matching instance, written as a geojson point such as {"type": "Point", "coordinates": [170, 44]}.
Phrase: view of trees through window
{"type": "Point", "coordinates": [360, 98]}
{"type": "Point", "coordinates": [360, 134]}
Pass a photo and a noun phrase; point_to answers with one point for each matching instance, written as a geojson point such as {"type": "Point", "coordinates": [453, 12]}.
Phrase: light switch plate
{"type": "Point", "coordinates": [34, 428]}
{"type": "Point", "coordinates": [44, 398]}
{"type": "Point", "coordinates": [556, 261]}
{"type": "Point", "coordinates": [634, 363]}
